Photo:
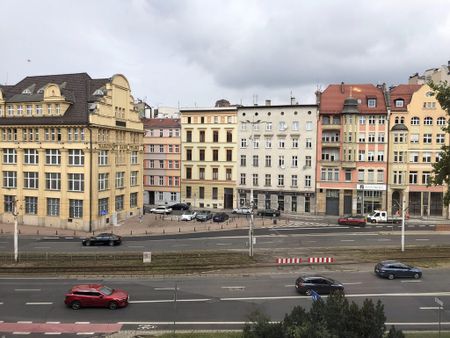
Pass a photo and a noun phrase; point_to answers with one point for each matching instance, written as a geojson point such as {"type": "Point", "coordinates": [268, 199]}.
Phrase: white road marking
{"type": "Point", "coordinates": [19, 332]}
{"type": "Point", "coordinates": [24, 322]}
{"type": "Point", "coordinates": [310, 241]}
{"type": "Point", "coordinates": [169, 300]}
{"type": "Point", "coordinates": [223, 244]}
{"type": "Point", "coordinates": [314, 228]}
{"type": "Point", "coordinates": [431, 225]}
{"type": "Point", "coordinates": [42, 247]}
{"type": "Point", "coordinates": [85, 333]}
{"type": "Point", "coordinates": [347, 240]}
{"type": "Point", "coordinates": [378, 226]}
{"type": "Point", "coordinates": [135, 246]}
{"type": "Point", "coordinates": [82, 322]}
{"type": "Point", "coordinates": [55, 333]}
{"type": "Point", "coordinates": [352, 283]}
{"type": "Point", "coordinates": [39, 303]}
{"type": "Point", "coordinates": [429, 308]}
{"type": "Point", "coordinates": [289, 286]}
{"type": "Point", "coordinates": [422, 239]}
{"type": "Point", "coordinates": [165, 289]}
{"type": "Point", "coordinates": [1, 303]}
{"type": "Point", "coordinates": [411, 281]}
{"type": "Point", "coordinates": [233, 287]}
{"type": "Point", "coordinates": [53, 322]}
{"type": "Point", "coordinates": [26, 290]}
{"type": "Point", "coordinates": [384, 239]}
{"type": "Point", "coordinates": [422, 225]}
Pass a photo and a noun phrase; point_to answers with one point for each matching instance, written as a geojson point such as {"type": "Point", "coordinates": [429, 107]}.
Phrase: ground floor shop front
{"type": "Point", "coordinates": [417, 203]}
{"type": "Point", "coordinates": [285, 201]}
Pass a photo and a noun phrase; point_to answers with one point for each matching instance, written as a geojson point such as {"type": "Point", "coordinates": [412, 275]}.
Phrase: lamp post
{"type": "Point", "coordinates": [16, 236]}
{"type": "Point", "coordinates": [403, 209]}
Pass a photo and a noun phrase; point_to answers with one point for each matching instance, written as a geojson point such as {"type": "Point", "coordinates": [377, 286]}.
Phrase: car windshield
{"type": "Point", "coordinates": [106, 290]}
{"type": "Point", "coordinates": [372, 213]}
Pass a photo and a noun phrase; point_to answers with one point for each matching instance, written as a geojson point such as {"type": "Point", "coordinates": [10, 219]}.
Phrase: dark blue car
{"type": "Point", "coordinates": [395, 269]}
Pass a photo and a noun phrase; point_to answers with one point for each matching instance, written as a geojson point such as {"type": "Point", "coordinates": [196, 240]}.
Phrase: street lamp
{"type": "Point", "coordinates": [16, 237]}
{"type": "Point", "coordinates": [403, 209]}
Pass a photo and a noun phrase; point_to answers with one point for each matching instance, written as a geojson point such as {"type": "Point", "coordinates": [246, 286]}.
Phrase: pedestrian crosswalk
{"type": "Point", "coordinates": [302, 224]}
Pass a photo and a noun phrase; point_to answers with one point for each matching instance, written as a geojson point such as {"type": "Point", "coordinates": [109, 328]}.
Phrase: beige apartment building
{"type": "Point", "coordinates": [209, 153]}
{"type": "Point", "coordinates": [277, 156]}
{"type": "Point", "coordinates": [415, 141]}
{"type": "Point", "coordinates": [438, 74]}
{"type": "Point", "coordinates": [162, 159]}
{"type": "Point", "coordinates": [71, 152]}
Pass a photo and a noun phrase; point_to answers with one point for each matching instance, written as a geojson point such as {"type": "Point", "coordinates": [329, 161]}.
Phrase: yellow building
{"type": "Point", "coordinates": [71, 151]}
{"type": "Point", "coordinates": [415, 141]}
{"type": "Point", "coordinates": [208, 157]}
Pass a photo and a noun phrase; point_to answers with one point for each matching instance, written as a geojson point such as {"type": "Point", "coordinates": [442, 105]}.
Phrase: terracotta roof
{"type": "Point", "coordinates": [76, 88]}
{"type": "Point", "coordinates": [161, 123]}
{"type": "Point", "coordinates": [332, 98]}
{"type": "Point", "coordinates": [403, 91]}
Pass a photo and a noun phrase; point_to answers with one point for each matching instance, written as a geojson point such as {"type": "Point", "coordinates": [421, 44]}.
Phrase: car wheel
{"type": "Point", "coordinates": [391, 276]}
{"type": "Point", "coordinates": [111, 243]}
{"type": "Point", "coordinates": [308, 292]}
{"type": "Point", "coordinates": [416, 276]}
{"type": "Point", "coordinates": [112, 305]}
{"type": "Point", "coordinates": [88, 243]}
{"type": "Point", "coordinates": [76, 305]}
{"type": "Point", "coordinates": [373, 221]}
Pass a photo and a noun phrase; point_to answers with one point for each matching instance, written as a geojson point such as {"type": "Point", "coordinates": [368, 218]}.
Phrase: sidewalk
{"type": "Point", "coordinates": [151, 224]}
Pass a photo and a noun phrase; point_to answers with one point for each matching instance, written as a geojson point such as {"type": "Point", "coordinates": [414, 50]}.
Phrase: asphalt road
{"type": "Point", "coordinates": [212, 302]}
{"type": "Point", "coordinates": [267, 238]}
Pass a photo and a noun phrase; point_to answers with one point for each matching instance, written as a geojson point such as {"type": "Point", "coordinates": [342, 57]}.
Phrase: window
{"type": "Point", "coordinates": [371, 103]}
{"type": "Point", "coordinates": [361, 155]}
{"type": "Point", "coordinates": [242, 179]}
{"type": "Point", "coordinates": [429, 105]}
{"type": "Point", "coordinates": [441, 121]}
{"type": "Point", "coordinates": [428, 121]}
{"type": "Point", "coordinates": [201, 192]}
{"type": "Point", "coordinates": [380, 175]}
{"type": "Point", "coordinates": [308, 161]}
{"type": "Point", "coordinates": [370, 156]}
{"type": "Point", "coordinates": [256, 143]}
{"type": "Point", "coordinates": [295, 142]}
{"type": "Point", "coordinates": [371, 138]}
{"type": "Point", "coordinates": [53, 181]}
{"type": "Point", "coordinates": [308, 181]}
{"type": "Point", "coordinates": [161, 148]}
{"type": "Point", "coordinates": [329, 174]}
{"type": "Point", "coordinates": [381, 119]}
{"type": "Point", "coordinates": [9, 179]}
{"type": "Point", "coordinates": [399, 103]}
{"type": "Point", "coordinates": [215, 136]}
{"type": "Point", "coordinates": [228, 174]}
{"type": "Point", "coordinates": [255, 160]}
{"type": "Point", "coordinates": [134, 197]}
{"type": "Point", "coordinates": [426, 157]}
{"type": "Point", "coordinates": [38, 109]}
{"type": "Point", "coordinates": [280, 180]}
{"type": "Point", "coordinates": [281, 161]}
{"type": "Point", "coordinates": [427, 138]}
{"type": "Point", "coordinates": [268, 161]}
{"type": "Point", "coordinates": [398, 156]}
{"type": "Point", "coordinates": [215, 193]}
{"type": "Point", "coordinates": [215, 173]}
{"type": "Point", "coordinates": [294, 162]}
{"type": "Point", "coordinates": [371, 120]}
{"type": "Point", "coordinates": [440, 138]}
{"type": "Point", "coordinates": [201, 173]}
{"type": "Point", "coordinates": [398, 177]}
{"type": "Point", "coordinates": [119, 202]}
{"type": "Point", "coordinates": [414, 138]}
{"type": "Point", "coordinates": [413, 177]}
{"type": "Point", "coordinates": [76, 182]}
{"type": "Point", "coordinates": [348, 175]}
{"type": "Point", "coordinates": [380, 156]}
{"type": "Point", "coordinates": [295, 125]}
{"type": "Point", "coordinates": [370, 175]}
{"type": "Point", "coordinates": [362, 120]}
{"type": "Point", "coordinates": [133, 178]}
{"type": "Point", "coordinates": [268, 180]}
{"type": "Point", "coordinates": [189, 154]}
{"type": "Point", "coordinates": [29, 109]}
{"type": "Point", "coordinates": [243, 160]}
{"type": "Point", "coordinates": [255, 180]}
{"type": "Point", "coordinates": [52, 157]}
{"type": "Point", "coordinates": [215, 154]}
{"type": "Point", "coordinates": [188, 135]}
{"type": "Point", "coordinates": [415, 121]}
{"type": "Point", "coordinates": [31, 205]}
{"type": "Point", "coordinates": [173, 196]}
{"type": "Point", "coordinates": [243, 143]}
{"type": "Point", "coordinates": [19, 110]}
{"type": "Point", "coordinates": [229, 155]}
{"type": "Point", "coordinates": [188, 192]}
{"type": "Point", "coordinates": [103, 181]}
{"type": "Point", "coordinates": [362, 138]}
{"type": "Point", "coordinates": [268, 126]}
{"type": "Point", "coordinates": [9, 202]}
{"type": "Point", "coordinates": [414, 157]}
{"type": "Point", "coordinates": [134, 157]}
{"type": "Point", "coordinates": [361, 175]}
{"type": "Point", "coordinates": [52, 206]}
{"type": "Point", "coordinates": [189, 173]}
{"type": "Point", "coordinates": [31, 156]}
{"type": "Point", "coordinates": [201, 154]}
{"type": "Point", "coordinates": [75, 208]}
{"type": "Point", "coordinates": [9, 156]}
{"type": "Point", "coordinates": [202, 136]}
{"type": "Point", "coordinates": [152, 148]}
{"type": "Point", "coordinates": [381, 137]}
{"type": "Point", "coordinates": [282, 126]}
{"type": "Point", "coordinates": [76, 157]}
{"type": "Point", "coordinates": [308, 125]}
{"type": "Point", "coordinates": [426, 175]}
{"type": "Point", "coordinates": [229, 136]}
{"type": "Point", "coordinates": [294, 180]}
{"type": "Point", "coordinates": [308, 143]}
{"type": "Point", "coordinates": [30, 180]}
{"type": "Point", "coordinates": [281, 143]}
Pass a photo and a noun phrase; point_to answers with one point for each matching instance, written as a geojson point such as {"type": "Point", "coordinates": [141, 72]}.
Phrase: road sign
{"type": "Point", "coordinates": [439, 302]}
{"type": "Point", "coordinates": [147, 257]}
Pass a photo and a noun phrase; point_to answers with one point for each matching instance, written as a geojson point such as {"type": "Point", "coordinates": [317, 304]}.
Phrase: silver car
{"type": "Point", "coordinates": [242, 211]}
{"type": "Point", "coordinates": [161, 209]}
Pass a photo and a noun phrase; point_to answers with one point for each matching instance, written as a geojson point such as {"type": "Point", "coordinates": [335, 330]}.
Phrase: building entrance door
{"type": "Point", "coordinates": [228, 198]}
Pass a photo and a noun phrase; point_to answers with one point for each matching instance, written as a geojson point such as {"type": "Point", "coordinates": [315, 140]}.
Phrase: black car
{"type": "Point", "coordinates": [395, 269]}
{"type": "Point", "coordinates": [268, 212]}
{"type": "Point", "coordinates": [220, 217]}
{"type": "Point", "coordinates": [180, 206]}
{"type": "Point", "coordinates": [320, 284]}
{"type": "Point", "coordinates": [103, 239]}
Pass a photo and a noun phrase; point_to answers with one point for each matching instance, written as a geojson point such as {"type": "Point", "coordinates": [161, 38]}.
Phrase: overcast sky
{"type": "Point", "coordinates": [194, 52]}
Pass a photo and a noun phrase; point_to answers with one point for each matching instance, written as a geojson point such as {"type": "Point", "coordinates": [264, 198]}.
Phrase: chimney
{"type": "Point", "coordinates": [342, 87]}
{"type": "Point", "coordinates": [268, 103]}
{"type": "Point", "coordinates": [292, 100]}
{"type": "Point", "coordinates": [318, 96]}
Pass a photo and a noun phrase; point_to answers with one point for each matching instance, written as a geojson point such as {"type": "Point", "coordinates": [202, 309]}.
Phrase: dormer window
{"type": "Point", "coordinates": [98, 92]}
{"type": "Point", "coordinates": [399, 103]}
{"type": "Point", "coordinates": [371, 103]}
{"type": "Point", "coordinates": [26, 91]}
{"type": "Point", "coordinates": [41, 90]}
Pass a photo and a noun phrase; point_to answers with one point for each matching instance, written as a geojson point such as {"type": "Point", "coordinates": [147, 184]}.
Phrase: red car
{"type": "Point", "coordinates": [96, 295]}
{"type": "Point", "coordinates": [357, 220]}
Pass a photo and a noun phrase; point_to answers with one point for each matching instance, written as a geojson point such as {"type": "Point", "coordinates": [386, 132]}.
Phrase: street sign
{"type": "Point", "coordinates": [147, 257]}
{"type": "Point", "coordinates": [439, 302]}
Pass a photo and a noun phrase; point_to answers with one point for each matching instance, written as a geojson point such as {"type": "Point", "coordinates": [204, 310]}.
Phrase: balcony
{"type": "Point", "coordinates": [348, 164]}
{"type": "Point", "coordinates": [331, 144]}
{"type": "Point", "coordinates": [331, 126]}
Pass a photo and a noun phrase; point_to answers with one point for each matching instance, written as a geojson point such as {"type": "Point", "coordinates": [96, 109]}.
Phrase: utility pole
{"type": "Point", "coordinates": [16, 235]}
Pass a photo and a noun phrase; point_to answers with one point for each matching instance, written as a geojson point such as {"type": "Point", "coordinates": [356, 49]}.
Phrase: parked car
{"type": "Point", "coordinates": [268, 212]}
{"type": "Point", "coordinates": [242, 211]}
{"type": "Point", "coordinates": [96, 295]}
{"type": "Point", "coordinates": [395, 269]}
{"type": "Point", "coordinates": [220, 217]}
{"type": "Point", "coordinates": [103, 239]}
{"type": "Point", "coordinates": [161, 209]}
{"type": "Point", "coordinates": [320, 284]}
{"type": "Point", "coordinates": [188, 215]}
{"type": "Point", "coordinates": [380, 216]}
{"type": "Point", "coordinates": [358, 220]}
{"type": "Point", "coordinates": [203, 216]}
{"type": "Point", "coordinates": [180, 206]}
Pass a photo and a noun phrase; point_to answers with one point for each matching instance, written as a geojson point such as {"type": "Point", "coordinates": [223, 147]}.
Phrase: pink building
{"type": "Point", "coordinates": [352, 138]}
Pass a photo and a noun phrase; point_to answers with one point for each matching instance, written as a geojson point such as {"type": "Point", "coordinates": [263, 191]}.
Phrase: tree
{"type": "Point", "coordinates": [441, 169]}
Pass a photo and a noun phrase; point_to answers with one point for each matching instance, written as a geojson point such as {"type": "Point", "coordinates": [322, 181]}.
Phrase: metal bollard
{"type": "Point", "coordinates": [179, 229]}
{"type": "Point", "coordinates": [164, 231]}
{"type": "Point", "coordinates": [37, 232]}
{"type": "Point", "coordinates": [131, 232]}
{"type": "Point", "coordinates": [195, 230]}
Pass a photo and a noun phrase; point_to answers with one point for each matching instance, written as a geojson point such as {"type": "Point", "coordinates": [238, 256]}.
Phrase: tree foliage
{"type": "Point", "coordinates": [441, 169]}
{"type": "Point", "coordinates": [333, 318]}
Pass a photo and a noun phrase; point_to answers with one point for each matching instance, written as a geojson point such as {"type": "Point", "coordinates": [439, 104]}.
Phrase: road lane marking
{"type": "Point", "coordinates": [42, 247]}
{"type": "Point", "coordinates": [223, 244]}
{"type": "Point", "coordinates": [135, 246]}
{"type": "Point", "coordinates": [384, 239]}
{"type": "Point", "coordinates": [19, 332]}
{"type": "Point", "coordinates": [53, 322]}
{"type": "Point", "coordinates": [82, 322]}
{"type": "Point", "coordinates": [310, 241]}
{"type": "Point", "coordinates": [233, 287]}
{"type": "Point", "coordinates": [411, 281]}
{"type": "Point", "coordinates": [27, 290]}
{"type": "Point", "coordinates": [289, 286]}
{"type": "Point", "coordinates": [422, 239]}
{"type": "Point", "coordinates": [166, 289]}
{"type": "Point", "coordinates": [55, 333]}
{"type": "Point", "coordinates": [1, 303]}
{"type": "Point", "coordinates": [39, 303]}
{"type": "Point", "coordinates": [352, 283]}
{"type": "Point", "coordinates": [169, 300]}
{"type": "Point", "coordinates": [347, 240]}
{"type": "Point", "coordinates": [85, 333]}
{"type": "Point", "coordinates": [379, 226]}
{"type": "Point", "coordinates": [302, 228]}
{"type": "Point", "coordinates": [429, 308]}
{"type": "Point", "coordinates": [24, 322]}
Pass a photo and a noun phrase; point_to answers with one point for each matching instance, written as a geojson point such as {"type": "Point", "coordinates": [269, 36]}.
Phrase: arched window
{"type": "Point", "coordinates": [415, 121]}
{"type": "Point", "coordinates": [402, 119]}
{"type": "Point", "coordinates": [428, 121]}
{"type": "Point", "coordinates": [396, 120]}
{"type": "Point", "coordinates": [441, 121]}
